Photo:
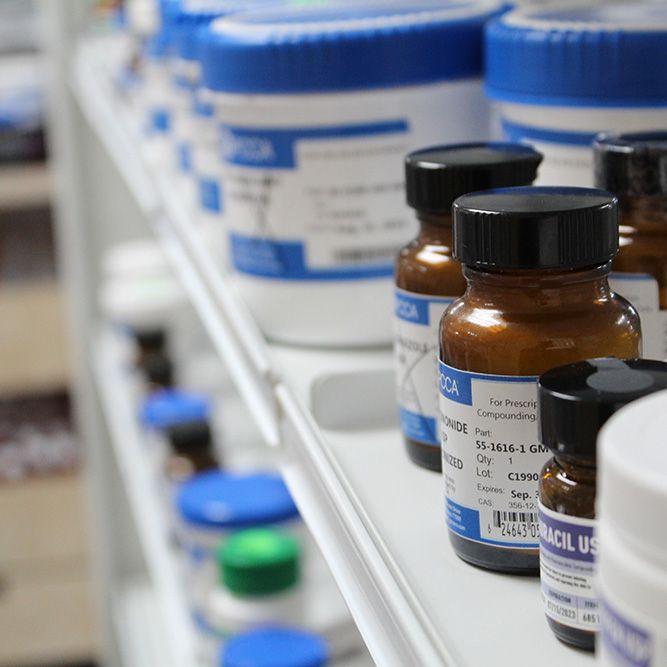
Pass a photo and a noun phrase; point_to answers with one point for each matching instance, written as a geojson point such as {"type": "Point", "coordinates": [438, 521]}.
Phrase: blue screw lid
{"type": "Point", "coordinates": [160, 45]}
{"type": "Point", "coordinates": [168, 407]}
{"type": "Point", "coordinates": [608, 55]}
{"type": "Point", "coordinates": [189, 19]}
{"type": "Point", "coordinates": [274, 647]}
{"type": "Point", "coordinates": [223, 500]}
{"type": "Point", "coordinates": [345, 46]}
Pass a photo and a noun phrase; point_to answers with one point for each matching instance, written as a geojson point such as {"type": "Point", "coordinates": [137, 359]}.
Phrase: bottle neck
{"type": "Point", "coordinates": [578, 468]}
{"type": "Point", "coordinates": [643, 212]}
{"type": "Point", "coordinates": [437, 228]}
{"type": "Point", "coordinates": [546, 288]}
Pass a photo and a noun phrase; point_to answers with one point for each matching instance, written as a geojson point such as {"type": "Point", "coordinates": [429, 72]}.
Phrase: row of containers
{"type": "Point", "coordinates": [295, 120]}
{"type": "Point", "coordinates": [256, 585]}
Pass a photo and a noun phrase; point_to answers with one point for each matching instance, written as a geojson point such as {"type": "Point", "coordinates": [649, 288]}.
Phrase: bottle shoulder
{"type": "Point", "coordinates": [567, 492]}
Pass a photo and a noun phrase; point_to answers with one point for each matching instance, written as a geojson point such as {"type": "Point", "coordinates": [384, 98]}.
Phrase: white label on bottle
{"type": "Point", "coordinates": [626, 641]}
{"type": "Point", "coordinates": [568, 156]}
{"type": "Point", "coordinates": [417, 320]}
{"type": "Point", "coordinates": [316, 203]}
{"type": "Point", "coordinates": [568, 548]}
{"type": "Point", "coordinates": [491, 457]}
{"type": "Point", "coordinates": [642, 291]}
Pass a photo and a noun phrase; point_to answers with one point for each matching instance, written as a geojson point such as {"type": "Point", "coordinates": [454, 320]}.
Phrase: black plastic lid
{"type": "Point", "coordinates": [153, 339]}
{"type": "Point", "coordinates": [158, 369]}
{"type": "Point", "coordinates": [576, 400]}
{"type": "Point", "coordinates": [536, 228]}
{"type": "Point", "coordinates": [190, 436]}
{"type": "Point", "coordinates": [436, 176]}
{"type": "Point", "coordinates": [633, 164]}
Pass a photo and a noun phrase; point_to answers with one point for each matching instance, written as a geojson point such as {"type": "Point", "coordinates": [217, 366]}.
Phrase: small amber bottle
{"type": "Point", "coordinates": [158, 371]}
{"type": "Point", "coordinates": [428, 279]}
{"type": "Point", "coordinates": [149, 342]}
{"type": "Point", "coordinates": [191, 450]}
{"type": "Point", "coordinates": [536, 261]}
{"type": "Point", "coordinates": [634, 167]}
{"type": "Point", "coordinates": [574, 403]}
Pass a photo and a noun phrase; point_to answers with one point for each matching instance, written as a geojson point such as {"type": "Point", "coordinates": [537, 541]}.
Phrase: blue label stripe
{"type": "Point", "coordinates": [466, 522]}
{"type": "Point", "coordinates": [209, 195]}
{"type": "Point", "coordinates": [159, 120]}
{"type": "Point", "coordinates": [275, 148]}
{"type": "Point", "coordinates": [456, 385]}
{"type": "Point", "coordinates": [285, 260]}
{"type": "Point", "coordinates": [184, 156]}
{"type": "Point", "coordinates": [415, 308]}
{"type": "Point", "coordinates": [516, 132]}
{"type": "Point", "coordinates": [419, 427]}
{"type": "Point", "coordinates": [629, 645]}
{"type": "Point", "coordinates": [630, 276]}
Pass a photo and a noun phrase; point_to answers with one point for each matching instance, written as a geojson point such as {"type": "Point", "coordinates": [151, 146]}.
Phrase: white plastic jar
{"type": "Point", "coordinates": [632, 509]}
{"type": "Point", "coordinates": [317, 106]}
{"type": "Point", "coordinates": [560, 75]}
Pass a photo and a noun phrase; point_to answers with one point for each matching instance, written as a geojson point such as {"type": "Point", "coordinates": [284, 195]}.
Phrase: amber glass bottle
{"type": "Point", "coordinates": [632, 166]}
{"type": "Point", "coordinates": [574, 403]}
{"type": "Point", "coordinates": [191, 450]}
{"type": "Point", "coordinates": [428, 279]}
{"type": "Point", "coordinates": [536, 261]}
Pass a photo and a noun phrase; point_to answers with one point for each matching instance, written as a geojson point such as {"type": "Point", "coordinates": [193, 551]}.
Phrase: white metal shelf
{"type": "Point", "coordinates": [171, 615]}
{"type": "Point", "coordinates": [378, 520]}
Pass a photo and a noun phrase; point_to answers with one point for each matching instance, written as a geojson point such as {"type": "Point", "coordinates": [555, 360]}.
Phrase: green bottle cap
{"type": "Point", "coordinates": [259, 561]}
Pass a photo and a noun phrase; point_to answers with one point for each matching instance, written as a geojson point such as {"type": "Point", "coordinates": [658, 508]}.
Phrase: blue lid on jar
{"type": "Point", "coordinates": [348, 46]}
{"type": "Point", "coordinates": [169, 407]}
{"type": "Point", "coordinates": [223, 500]}
{"type": "Point", "coordinates": [191, 16]}
{"type": "Point", "coordinates": [609, 55]}
{"type": "Point", "coordinates": [160, 45]}
{"type": "Point", "coordinates": [274, 647]}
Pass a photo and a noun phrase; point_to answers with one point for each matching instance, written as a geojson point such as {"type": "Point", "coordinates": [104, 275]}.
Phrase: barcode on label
{"type": "Point", "coordinates": [366, 254]}
{"type": "Point", "coordinates": [500, 518]}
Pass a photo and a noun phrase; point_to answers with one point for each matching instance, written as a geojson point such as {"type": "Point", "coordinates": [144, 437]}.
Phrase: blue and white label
{"type": "Point", "coordinates": [643, 292]}
{"type": "Point", "coordinates": [491, 456]}
{"type": "Point", "coordinates": [416, 325]}
{"type": "Point", "coordinates": [316, 203]}
{"type": "Point", "coordinates": [568, 155]}
{"type": "Point", "coordinates": [207, 167]}
{"type": "Point", "coordinates": [624, 643]}
{"type": "Point", "coordinates": [568, 550]}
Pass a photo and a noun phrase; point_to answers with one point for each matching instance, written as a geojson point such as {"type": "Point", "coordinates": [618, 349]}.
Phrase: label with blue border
{"type": "Point", "coordinates": [416, 325]}
{"type": "Point", "coordinates": [624, 643]}
{"type": "Point", "coordinates": [323, 203]}
{"type": "Point", "coordinates": [491, 456]}
{"type": "Point", "coordinates": [568, 551]}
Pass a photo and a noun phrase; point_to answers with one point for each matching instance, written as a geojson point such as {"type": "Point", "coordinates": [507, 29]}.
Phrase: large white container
{"type": "Point", "coordinates": [317, 106]}
{"type": "Point", "coordinates": [564, 73]}
{"type": "Point", "coordinates": [632, 510]}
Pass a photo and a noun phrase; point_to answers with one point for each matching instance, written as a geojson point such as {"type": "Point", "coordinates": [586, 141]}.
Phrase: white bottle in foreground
{"type": "Point", "coordinates": [632, 562]}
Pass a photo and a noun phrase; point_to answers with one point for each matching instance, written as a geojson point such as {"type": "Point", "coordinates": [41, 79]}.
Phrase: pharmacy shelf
{"type": "Point", "coordinates": [170, 618]}
{"type": "Point", "coordinates": [377, 519]}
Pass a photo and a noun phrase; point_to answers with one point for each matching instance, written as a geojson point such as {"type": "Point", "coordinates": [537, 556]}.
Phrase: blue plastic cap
{"type": "Point", "coordinates": [609, 55]}
{"type": "Point", "coordinates": [274, 647]}
{"type": "Point", "coordinates": [189, 19]}
{"type": "Point", "coordinates": [168, 407]}
{"type": "Point", "coordinates": [349, 46]}
{"type": "Point", "coordinates": [219, 500]}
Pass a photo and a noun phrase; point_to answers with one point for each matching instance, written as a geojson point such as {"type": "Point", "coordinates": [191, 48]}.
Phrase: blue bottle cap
{"type": "Point", "coordinates": [169, 407]}
{"type": "Point", "coordinates": [274, 647]}
{"type": "Point", "coordinates": [221, 500]}
{"type": "Point", "coordinates": [190, 17]}
{"type": "Point", "coordinates": [607, 55]}
{"type": "Point", "coordinates": [348, 46]}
